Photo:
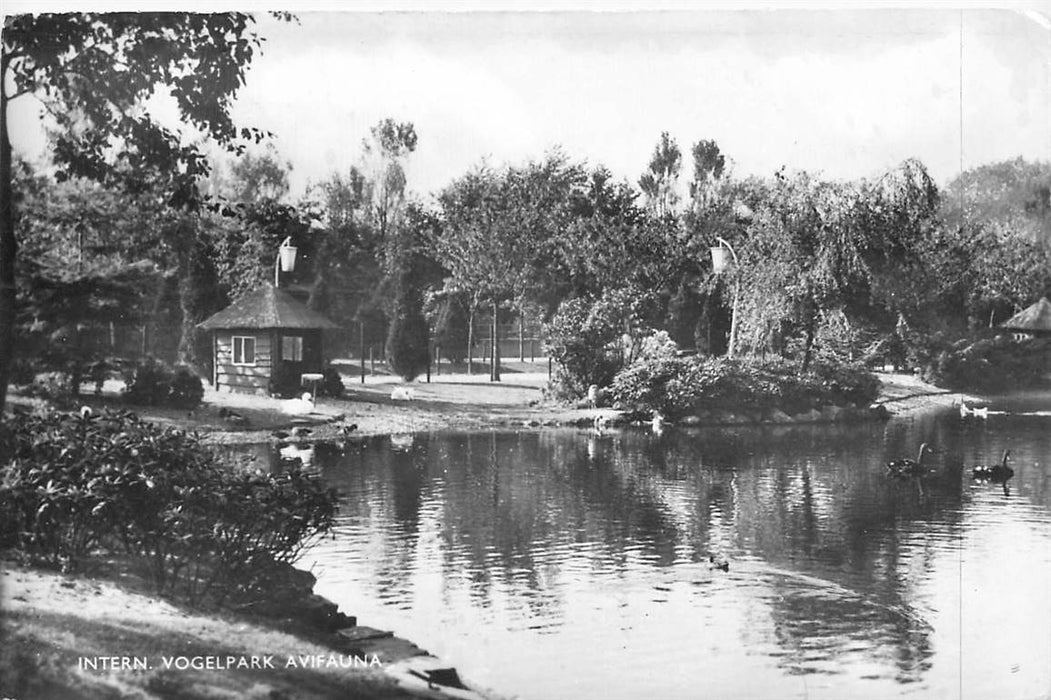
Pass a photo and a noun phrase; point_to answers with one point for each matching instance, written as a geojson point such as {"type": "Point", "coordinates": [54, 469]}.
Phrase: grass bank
{"type": "Point", "coordinates": [104, 636]}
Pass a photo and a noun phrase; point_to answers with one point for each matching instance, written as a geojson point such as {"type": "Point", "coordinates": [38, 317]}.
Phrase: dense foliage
{"type": "Point", "coordinates": [153, 383]}
{"type": "Point", "coordinates": [660, 380]}
{"type": "Point", "coordinates": [586, 340]}
{"type": "Point", "coordinates": [73, 484]}
{"type": "Point", "coordinates": [408, 344]}
{"type": "Point", "coordinates": [285, 381]}
{"type": "Point", "coordinates": [93, 72]}
{"type": "Point", "coordinates": [887, 269]}
{"type": "Point", "coordinates": [993, 365]}
{"type": "Point", "coordinates": [331, 384]}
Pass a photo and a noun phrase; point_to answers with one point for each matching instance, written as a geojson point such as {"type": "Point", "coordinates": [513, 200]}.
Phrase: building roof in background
{"type": "Point", "coordinates": [1034, 318]}
{"type": "Point", "coordinates": [267, 307]}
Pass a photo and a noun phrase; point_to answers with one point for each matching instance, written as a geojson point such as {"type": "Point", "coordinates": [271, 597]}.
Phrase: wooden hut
{"type": "Point", "coordinates": [1031, 322]}
{"type": "Point", "coordinates": [260, 331]}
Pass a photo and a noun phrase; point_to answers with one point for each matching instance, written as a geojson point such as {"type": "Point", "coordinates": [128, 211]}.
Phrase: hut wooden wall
{"type": "Point", "coordinates": [244, 378]}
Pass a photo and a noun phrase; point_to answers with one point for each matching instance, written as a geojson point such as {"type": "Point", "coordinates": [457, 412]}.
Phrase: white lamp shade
{"type": "Point", "coordinates": [287, 253]}
{"type": "Point", "coordinates": [720, 258]}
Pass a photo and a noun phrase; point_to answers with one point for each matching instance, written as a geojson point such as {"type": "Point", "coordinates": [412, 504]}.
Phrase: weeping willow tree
{"type": "Point", "coordinates": [851, 254]}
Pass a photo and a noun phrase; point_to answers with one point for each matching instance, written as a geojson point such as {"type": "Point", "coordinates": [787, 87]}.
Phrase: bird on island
{"type": "Point", "coordinates": [994, 472]}
{"type": "Point", "coordinates": [592, 396]}
{"type": "Point", "coordinates": [909, 467]}
{"type": "Point", "coordinates": [85, 411]}
{"type": "Point", "coordinates": [345, 430]}
{"type": "Point", "coordinates": [657, 423]}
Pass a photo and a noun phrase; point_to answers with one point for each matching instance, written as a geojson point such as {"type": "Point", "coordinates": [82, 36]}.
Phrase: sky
{"type": "Point", "coordinates": [841, 92]}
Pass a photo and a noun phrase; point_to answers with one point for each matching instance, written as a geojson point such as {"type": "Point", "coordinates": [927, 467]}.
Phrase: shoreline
{"type": "Point", "coordinates": [462, 402]}
{"type": "Point", "coordinates": [452, 405]}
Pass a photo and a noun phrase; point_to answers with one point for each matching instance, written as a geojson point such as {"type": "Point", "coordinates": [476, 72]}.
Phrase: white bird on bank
{"type": "Point", "coordinates": [657, 424]}
{"type": "Point", "coordinates": [966, 410]}
{"type": "Point", "coordinates": [593, 396]}
{"type": "Point", "coordinates": [403, 393]}
{"type": "Point", "coordinates": [298, 406]}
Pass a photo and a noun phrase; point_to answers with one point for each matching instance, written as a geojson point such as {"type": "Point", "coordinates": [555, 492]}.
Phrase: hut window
{"type": "Point", "coordinates": [244, 350]}
{"type": "Point", "coordinates": [292, 348]}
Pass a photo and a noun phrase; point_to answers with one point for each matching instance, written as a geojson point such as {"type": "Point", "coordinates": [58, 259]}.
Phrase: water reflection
{"type": "Point", "coordinates": [574, 564]}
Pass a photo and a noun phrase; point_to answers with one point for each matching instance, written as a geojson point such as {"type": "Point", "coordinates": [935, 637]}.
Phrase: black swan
{"type": "Point", "coordinates": [994, 472]}
{"type": "Point", "coordinates": [909, 467]}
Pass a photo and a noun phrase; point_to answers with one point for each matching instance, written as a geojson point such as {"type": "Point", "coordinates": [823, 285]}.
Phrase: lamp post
{"type": "Point", "coordinates": [285, 261]}
{"type": "Point", "coordinates": [719, 264]}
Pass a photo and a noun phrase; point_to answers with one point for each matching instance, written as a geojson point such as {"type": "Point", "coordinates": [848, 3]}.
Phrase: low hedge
{"type": "Point", "coordinates": [73, 484]}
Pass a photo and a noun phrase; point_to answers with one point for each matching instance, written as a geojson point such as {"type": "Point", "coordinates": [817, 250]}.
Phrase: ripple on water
{"type": "Point", "coordinates": [546, 570]}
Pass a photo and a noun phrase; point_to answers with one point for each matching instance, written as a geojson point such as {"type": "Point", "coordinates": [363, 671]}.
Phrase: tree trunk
{"type": "Point", "coordinates": [470, 338]}
{"type": "Point", "coordinates": [809, 346]}
{"type": "Point", "coordinates": [521, 337]}
{"type": "Point", "coordinates": [8, 251]}
{"type": "Point", "coordinates": [197, 300]}
{"type": "Point", "coordinates": [494, 373]}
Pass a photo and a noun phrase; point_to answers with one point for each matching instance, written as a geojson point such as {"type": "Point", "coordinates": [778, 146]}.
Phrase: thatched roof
{"type": "Point", "coordinates": [267, 307]}
{"type": "Point", "coordinates": [1035, 318]}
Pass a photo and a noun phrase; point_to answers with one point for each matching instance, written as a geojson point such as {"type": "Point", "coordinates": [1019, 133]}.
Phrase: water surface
{"type": "Point", "coordinates": [569, 564]}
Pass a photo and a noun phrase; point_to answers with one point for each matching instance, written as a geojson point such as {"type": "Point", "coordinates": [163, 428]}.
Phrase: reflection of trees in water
{"type": "Point", "coordinates": [840, 546]}
{"type": "Point", "coordinates": [827, 502]}
{"type": "Point", "coordinates": [817, 628]}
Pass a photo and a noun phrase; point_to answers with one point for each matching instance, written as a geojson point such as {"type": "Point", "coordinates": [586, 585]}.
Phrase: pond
{"type": "Point", "coordinates": [566, 563]}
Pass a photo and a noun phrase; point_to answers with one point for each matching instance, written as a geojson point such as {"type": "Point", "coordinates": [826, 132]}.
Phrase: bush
{"type": "Point", "coordinates": [992, 365]}
{"type": "Point", "coordinates": [147, 383]}
{"type": "Point", "coordinates": [54, 388]}
{"type": "Point", "coordinates": [584, 340]}
{"type": "Point", "coordinates": [23, 373]}
{"type": "Point", "coordinates": [152, 383]}
{"type": "Point", "coordinates": [285, 381]}
{"type": "Point", "coordinates": [187, 390]}
{"type": "Point", "coordinates": [331, 383]}
{"type": "Point", "coordinates": [74, 484]}
{"type": "Point", "coordinates": [675, 386]}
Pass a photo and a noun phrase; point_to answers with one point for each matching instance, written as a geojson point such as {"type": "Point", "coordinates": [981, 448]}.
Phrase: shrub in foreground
{"type": "Point", "coordinates": [74, 484]}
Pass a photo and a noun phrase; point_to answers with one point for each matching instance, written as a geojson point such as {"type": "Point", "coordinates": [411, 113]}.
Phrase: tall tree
{"type": "Point", "coordinates": [708, 166]}
{"type": "Point", "coordinates": [91, 71]}
{"type": "Point", "coordinates": [658, 183]}
{"type": "Point", "coordinates": [386, 150]}
{"type": "Point", "coordinates": [347, 268]}
{"type": "Point", "coordinates": [802, 257]}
